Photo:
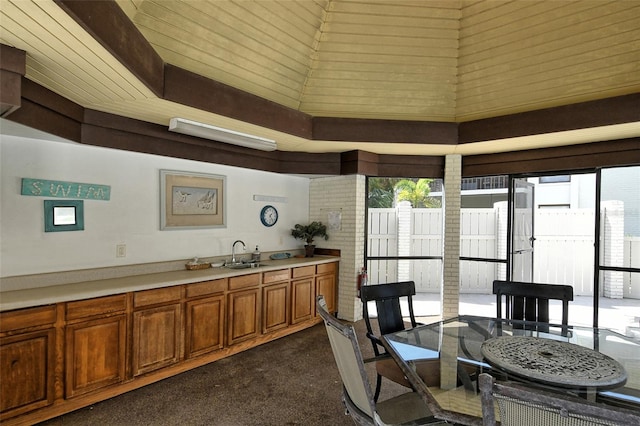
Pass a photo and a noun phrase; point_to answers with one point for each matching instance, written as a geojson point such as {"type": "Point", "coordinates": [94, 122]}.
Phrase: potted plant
{"type": "Point", "coordinates": [307, 233]}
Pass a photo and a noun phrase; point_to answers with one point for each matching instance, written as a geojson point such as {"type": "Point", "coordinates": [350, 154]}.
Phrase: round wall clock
{"type": "Point", "coordinates": [268, 215]}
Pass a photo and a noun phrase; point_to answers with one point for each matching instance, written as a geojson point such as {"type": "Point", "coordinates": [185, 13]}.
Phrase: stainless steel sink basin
{"type": "Point", "coordinates": [242, 265]}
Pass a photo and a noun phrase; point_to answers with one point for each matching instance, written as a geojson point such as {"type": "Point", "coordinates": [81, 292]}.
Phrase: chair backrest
{"type": "Point", "coordinates": [344, 344]}
{"type": "Point", "coordinates": [519, 405]}
{"type": "Point", "coordinates": [387, 298]}
{"type": "Point", "coordinates": [530, 301]}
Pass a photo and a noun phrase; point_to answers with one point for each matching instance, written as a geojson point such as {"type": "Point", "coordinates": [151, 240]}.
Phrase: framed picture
{"type": "Point", "coordinates": [191, 200]}
{"type": "Point", "coordinates": [63, 215]}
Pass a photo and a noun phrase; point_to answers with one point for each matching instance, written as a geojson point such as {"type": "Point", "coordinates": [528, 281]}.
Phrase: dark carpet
{"type": "Point", "coordinates": [291, 381]}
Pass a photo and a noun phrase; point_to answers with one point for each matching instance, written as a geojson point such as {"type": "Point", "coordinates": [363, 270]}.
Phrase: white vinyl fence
{"type": "Point", "coordinates": [563, 249]}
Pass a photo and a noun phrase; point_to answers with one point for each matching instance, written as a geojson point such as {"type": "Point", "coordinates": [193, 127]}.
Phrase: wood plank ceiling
{"type": "Point", "coordinates": [429, 60]}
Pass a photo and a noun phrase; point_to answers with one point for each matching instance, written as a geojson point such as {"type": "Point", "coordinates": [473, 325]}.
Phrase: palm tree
{"type": "Point", "coordinates": [381, 192]}
{"type": "Point", "coordinates": [416, 192]}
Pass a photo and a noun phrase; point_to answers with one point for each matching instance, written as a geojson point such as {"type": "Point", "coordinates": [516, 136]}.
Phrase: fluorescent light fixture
{"type": "Point", "coordinates": [201, 130]}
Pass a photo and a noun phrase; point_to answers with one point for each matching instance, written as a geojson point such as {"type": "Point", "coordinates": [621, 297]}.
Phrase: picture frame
{"type": "Point", "coordinates": [63, 215]}
{"type": "Point", "coordinates": [191, 200]}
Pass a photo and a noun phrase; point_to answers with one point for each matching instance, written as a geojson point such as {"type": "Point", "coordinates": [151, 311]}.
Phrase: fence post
{"type": "Point", "coordinates": [612, 248]}
{"type": "Point", "coordinates": [502, 215]}
{"type": "Point", "coordinates": [404, 239]}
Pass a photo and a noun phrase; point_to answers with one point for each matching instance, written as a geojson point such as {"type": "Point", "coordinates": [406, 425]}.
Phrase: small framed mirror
{"type": "Point", "coordinates": [63, 215]}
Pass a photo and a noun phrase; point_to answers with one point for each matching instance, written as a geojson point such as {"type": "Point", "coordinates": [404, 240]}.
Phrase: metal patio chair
{"type": "Point", "coordinates": [389, 319]}
{"type": "Point", "coordinates": [518, 405]}
{"type": "Point", "coordinates": [405, 409]}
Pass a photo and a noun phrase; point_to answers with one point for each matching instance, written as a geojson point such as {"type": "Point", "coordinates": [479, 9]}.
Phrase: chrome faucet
{"type": "Point", "coordinates": [233, 250]}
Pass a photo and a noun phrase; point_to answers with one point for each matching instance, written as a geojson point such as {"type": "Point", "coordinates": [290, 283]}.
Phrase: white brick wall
{"type": "Point", "coordinates": [451, 241]}
{"type": "Point", "coordinates": [344, 194]}
{"type": "Point", "coordinates": [612, 246]}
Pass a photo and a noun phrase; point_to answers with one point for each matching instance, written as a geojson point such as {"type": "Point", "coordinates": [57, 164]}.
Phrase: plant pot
{"type": "Point", "coordinates": [308, 250]}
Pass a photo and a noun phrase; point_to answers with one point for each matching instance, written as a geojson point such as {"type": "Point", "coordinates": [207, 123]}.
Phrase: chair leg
{"type": "Point", "coordinates": [378, 385]}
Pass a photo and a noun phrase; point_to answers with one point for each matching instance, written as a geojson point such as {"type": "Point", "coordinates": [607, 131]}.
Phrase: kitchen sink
{"type": "Point", "coordinates": [242, 265]}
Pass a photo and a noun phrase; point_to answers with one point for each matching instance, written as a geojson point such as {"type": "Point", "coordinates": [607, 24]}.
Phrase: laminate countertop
{"type": "Point", "coordinates": [17, 299]}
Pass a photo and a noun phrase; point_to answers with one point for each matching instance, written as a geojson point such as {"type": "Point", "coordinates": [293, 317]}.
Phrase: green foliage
{"type": "Point", "coordinates": [381, 192]}
{"type": "Point", "coordinates": [386, 192]}
{"type": "Point", "coordinates": [416, 192]}
{"type": "Point", "coordinates": [308, 232]}
{"type": "Point", "coordinates": [380, 198]}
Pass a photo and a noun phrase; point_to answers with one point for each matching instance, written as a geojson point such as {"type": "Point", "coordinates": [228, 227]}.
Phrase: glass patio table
{"type": "Point", "coordinates": [442, 361]}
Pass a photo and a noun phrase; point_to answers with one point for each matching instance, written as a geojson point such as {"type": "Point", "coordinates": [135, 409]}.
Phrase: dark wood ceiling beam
{"type": "Point", "coordinates": [112, 28]}
{"type": "Point", "coordinates": [603, 112]}
{"type": "Point", "coordinates": [12, 68]}
{"type": "Point", "coordinates": [49, 112]}
{"type": "Point", "coordinates": [196, 91]}
{"type": "Point", "coordinates": [385, 131]}
{"type": "Point", "coordinates": [620, 152]}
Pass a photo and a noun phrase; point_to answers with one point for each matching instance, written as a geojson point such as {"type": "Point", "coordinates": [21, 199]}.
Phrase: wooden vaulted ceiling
{"type": "Point", "coordinates": [418, 60]}
{"type": "Point", "coordinates": [410, 61]}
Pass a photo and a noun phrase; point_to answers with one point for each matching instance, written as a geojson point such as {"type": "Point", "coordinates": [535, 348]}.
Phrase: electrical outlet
{"type": "Point", "coordinates": [121, 250]}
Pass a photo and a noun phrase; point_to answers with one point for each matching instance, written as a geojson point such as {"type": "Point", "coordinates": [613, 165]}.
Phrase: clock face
{"type": "Point", "coordinates": [269, 216]}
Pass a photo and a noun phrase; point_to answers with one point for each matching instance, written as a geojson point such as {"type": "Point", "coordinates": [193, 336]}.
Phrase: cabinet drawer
{"type": "Point", "coordinates": [303, 271]}
{"type": "Point", "coordinates": [326, 268]}
{"type": "Point", "coordinates": [155, 296]}
{"type": "Point", "coordinates": [97, 306]}
{"type": "Point", "coordinates": [244, 281]}
{"type": "Point", "coordinates": [26, 318]}
{"type": "Point", "coordinates": [275, 276]}
{"type": "Point", "coordinates": [206, 287]}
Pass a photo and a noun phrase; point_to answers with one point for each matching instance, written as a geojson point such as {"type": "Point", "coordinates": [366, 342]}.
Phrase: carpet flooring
{"type": "Point", "coordinates": [290, 381]}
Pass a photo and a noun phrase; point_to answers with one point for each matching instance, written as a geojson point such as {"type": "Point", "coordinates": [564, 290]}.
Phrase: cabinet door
{"type": "Point", "coordinates": [205, 325]}
{"type": "Point", "coordinates": [27, 363]}
{"type": "Point", "coordinates": [326, 286]}
{"type": "Point", "coordinates": [156, 338]}
{"type": "Point", "coordinates": [244, 319]}
{"type": "Point", "coordinates": [275, 307]}
{"type": "Point", "coordinates": [302, 303]}
{"type": "Point", "coordinates": [95, 354]}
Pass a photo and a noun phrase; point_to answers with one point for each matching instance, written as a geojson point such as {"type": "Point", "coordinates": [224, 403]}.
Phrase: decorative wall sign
{"type": "Point", "coordinates": [61, 189]}
{"type": "Point", "coordinates": [191, 200]}
{"type": "Point", "coordinates": [63, 215]}
{"type": "Point", "coordinates": [334, 220]}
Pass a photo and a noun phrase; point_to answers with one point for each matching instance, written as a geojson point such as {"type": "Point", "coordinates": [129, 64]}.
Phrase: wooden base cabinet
{"type": "Point", "coordinates": [60, 357]}
{"type": "Point", "coordinates": [27, 360]}
{"type": "Point", "coordinates": [302, 293]}
{"type": "Point", "coordinates": [275, 307]}
{"type": "Point", "coordinates": [204, 317]}
{"type": "Point", "coordinates": [95, 344]}
{"type": "Point", "coordinates": [326, 285]}
{"type": "Point", "coordinates": [244, 319]}
{"type": "Point", "coordinates": [275, 300]}
{"type": "Point", "coordinates": [95, 354]}
{"type": "Point", "coordinates": [302, 302]}
{"type": "Point", "coordinates": [157, 333]}
{"type": "Point", "coordinates": [205, 325]}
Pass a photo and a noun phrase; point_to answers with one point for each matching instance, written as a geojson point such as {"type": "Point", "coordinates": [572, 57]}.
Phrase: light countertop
{"type": "Point", "coordinates": [18, 299]}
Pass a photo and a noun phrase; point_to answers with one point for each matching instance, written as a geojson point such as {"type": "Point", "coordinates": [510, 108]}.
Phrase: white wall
{"type": "Point", "coordinates": [346, 195]}
{"type": "Point", "coordinates": [131, 216]}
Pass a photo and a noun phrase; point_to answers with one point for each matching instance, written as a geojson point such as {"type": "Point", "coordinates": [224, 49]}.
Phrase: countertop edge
{"type": "Point", "coordinates": [28, 298]}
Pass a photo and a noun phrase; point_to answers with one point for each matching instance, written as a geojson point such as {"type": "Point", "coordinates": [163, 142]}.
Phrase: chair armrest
{"type": "Point", "coordinates": [377, 358]}
{"type": "Point", "coordinates": [375, 339]}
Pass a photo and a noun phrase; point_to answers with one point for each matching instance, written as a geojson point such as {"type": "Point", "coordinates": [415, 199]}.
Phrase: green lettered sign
{"type": "Point", "coordinates": [60, 189]}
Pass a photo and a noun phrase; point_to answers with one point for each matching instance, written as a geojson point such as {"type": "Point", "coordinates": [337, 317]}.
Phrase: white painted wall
{"type": "Point", "coordinates": [132, 215]}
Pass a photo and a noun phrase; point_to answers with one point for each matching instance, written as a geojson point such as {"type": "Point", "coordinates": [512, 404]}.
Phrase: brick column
{"type": "Point", "coordinates": [450, 294]}
{"type": "Point", "coordinates": [502, 215]}
{"type": "Point", "coordinates": [404, 239]}
{"type": "Point", "coordinates": [612, 247]}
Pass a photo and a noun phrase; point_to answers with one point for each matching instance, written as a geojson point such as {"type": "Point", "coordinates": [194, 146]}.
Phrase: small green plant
{"type": "Point", "coordinates": [307, 233]}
